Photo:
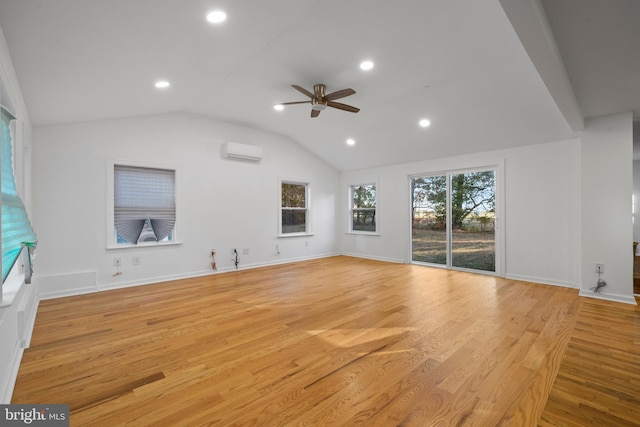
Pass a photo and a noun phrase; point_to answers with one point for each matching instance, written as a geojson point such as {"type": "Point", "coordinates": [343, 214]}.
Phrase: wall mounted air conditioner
{"type": "Point", "coordinates": [244, 152]}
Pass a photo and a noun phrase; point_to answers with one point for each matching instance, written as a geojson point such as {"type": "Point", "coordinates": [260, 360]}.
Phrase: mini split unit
{"type": "Point", "coordinates": [243, 152]}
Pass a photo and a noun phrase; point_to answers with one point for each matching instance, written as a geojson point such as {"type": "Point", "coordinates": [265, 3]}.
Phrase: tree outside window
{"type": "Point", "coordinates": [363, 208]}
{"type": "Point", "coordinates": [294, 208]}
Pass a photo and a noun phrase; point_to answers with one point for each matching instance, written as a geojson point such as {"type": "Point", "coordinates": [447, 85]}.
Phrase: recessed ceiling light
{"type": "Point", "coordinates": [278, 107]}
{"type": "Point", "coordinates": [425, 123]}
{"type": "Point", "coordinates": [366, 65]}
{"type": "Point", "coordinates": [351, 141]}
{"type": "Point", "coordinates": [216, 17]}
{"type": "Point", "coordinates": [162, 84]}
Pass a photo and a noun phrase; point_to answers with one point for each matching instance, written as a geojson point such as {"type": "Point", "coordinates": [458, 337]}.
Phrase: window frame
{"type": "Point", "coordinates": [352, 210]}
{"type": "Point", "coordinates": [111, 234]}
{"type": "Point", "coordinates": [307, 208]}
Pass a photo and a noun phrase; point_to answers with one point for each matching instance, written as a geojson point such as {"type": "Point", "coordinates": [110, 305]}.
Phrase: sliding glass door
{"type": "Point", "coordinates": [453, 220]}
{"type": "Point", "coordinates": [429, 224]}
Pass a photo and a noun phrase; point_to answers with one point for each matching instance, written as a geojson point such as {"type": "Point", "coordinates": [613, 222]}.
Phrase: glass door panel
{"type": "Point", "coordinates": [472, 213]}
{"type": "Point", "coordinates": [429, 219]}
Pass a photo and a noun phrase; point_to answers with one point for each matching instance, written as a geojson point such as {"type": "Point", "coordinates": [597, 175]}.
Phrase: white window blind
{"type": "Point", "coordinates": [140, 195]}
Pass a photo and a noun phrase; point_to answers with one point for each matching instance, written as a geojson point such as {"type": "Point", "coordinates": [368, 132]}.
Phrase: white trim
{"type": "Point", "coordinates": [374, 258]}
{"type": "Point", "coordinates": [626, 299]}
{"type": "Point", "coordinates": [364, 233]}
{"type": "Point", "coordinates": [12, 285]}
{"type": "Point", "coordinates": [543, 281]}
{"type": "Point", "coordinates": [95, 287]}
{"type": "Point", "coordinates": [350, 230]}
{"type": "Point", "coordinates": [19, 329]}
{"type": "Point", "coordinates": [69, 284]}
{"type": "Point", "coordinates": [308, 230]}
{"type": "Point", "coordinates": [12, 373]}
{"type": "Point", "coordinates": [110, 233]}
{"type": "Point", "coordinates": [142, 245]}
{"type": "Point", "coordinates": [295, 235]}
{"type": "Point", "coordinates": [498, 166]}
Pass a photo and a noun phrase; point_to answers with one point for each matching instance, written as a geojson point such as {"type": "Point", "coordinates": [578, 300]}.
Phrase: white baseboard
{"type": "Point", "coordinates": [543, 281]}
{"type": "Point", "coordinates": [62, 285]}
{"type": "Point", "coordinates": [627, 299]}
{"type": "Point", "coordinates": [375, 258]}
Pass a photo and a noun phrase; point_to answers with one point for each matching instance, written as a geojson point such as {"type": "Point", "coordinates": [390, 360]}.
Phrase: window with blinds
{"type": "Point", "coordinates": [17, 232]}
{"type": "Point", "coordinates": [144, 204]}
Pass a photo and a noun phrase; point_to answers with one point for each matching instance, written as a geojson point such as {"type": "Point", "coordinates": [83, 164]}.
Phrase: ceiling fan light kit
{"type": "Point", "coordinates": [320, 100]}
{"type": "Point", "coordinates": [317, 104]}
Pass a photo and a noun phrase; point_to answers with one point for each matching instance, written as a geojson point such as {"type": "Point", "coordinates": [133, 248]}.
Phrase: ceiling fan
{"type": "Point", "coordinates": [320, 100]}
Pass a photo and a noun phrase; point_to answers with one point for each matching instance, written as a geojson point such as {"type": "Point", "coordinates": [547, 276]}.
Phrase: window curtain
{"type": "Point", "coordinates": [16, 228]}
{"type": "Point", "coordinates": [142, 194]}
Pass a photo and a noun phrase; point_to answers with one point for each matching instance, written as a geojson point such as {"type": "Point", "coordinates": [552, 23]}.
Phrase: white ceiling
{"type": "Point", "coordinates": [477, 74]}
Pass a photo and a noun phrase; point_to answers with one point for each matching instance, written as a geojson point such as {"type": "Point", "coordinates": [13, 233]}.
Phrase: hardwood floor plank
{"type": "Point", "coordinates": [599, 379]}
{"type": "Point", "coordinates": [335, 342]}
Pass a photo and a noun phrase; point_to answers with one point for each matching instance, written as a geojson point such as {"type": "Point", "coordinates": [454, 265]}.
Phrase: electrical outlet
{"type": "Point", "coordinates": [600, 268]}
{"type": "Point", "coordinates": [135, 260]}
{"type": "Point", "coordinates": [117, 262]}
{"type": "Point", "coordinates": [245, 251]}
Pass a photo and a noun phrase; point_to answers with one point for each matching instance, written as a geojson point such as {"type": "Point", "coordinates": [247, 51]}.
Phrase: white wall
{"type": "Point", "coordinates": [636, 199]}
{"type": "Point", "coordinates": [18, 302]}
{"type": "Point", "coordinates": [567, 206]}
{"type": "Point", "coordinates": [541, 235]}
{"type": "Point", "coordinates": [222, 204]}
{"type": "Point", "coordinates": [607, 186]}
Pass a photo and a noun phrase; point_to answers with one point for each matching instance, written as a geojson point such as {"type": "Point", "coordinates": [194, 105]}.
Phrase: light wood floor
{"type": "Point", "coordinates": [336, 342]}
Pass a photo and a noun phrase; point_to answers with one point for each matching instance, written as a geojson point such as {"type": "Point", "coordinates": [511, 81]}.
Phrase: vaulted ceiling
{"type": "Point", "coordinates": [488, 74]}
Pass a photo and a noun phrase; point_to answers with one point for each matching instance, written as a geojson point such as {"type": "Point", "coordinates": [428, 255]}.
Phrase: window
{"type": "Point", "coordinates": [144, 204]}
{"type": "Point", "coordinates": [16, 228]}
{"type": "Point", "coordinates": [294, 208]}
{"type": "Point", "coordinates": [363, 208]}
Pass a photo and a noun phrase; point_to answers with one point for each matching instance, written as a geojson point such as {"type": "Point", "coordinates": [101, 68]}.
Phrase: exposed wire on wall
{"type": "Point", "coordinates": [213, 259]}
{"type": "Point", "coordinates": [118, 272]}
{"type": "Point", "coordinates": [236, 261]}
{"type": "Point", "coordinates": [599, 284]}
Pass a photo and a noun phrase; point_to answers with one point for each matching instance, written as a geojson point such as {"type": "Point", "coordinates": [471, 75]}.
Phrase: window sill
{"type": "Point", "coordinates": [143, 245]}
{"type": "Point", "coordinates": [295, 234]}
{"type": "Point", "coordinates": [10, 289]}
{"type": "Point", "coordinates": [364, 233]}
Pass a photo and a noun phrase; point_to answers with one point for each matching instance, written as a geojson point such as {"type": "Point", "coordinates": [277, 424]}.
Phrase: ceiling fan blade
{"type": "Point", "coordinates": [315, 113]}
{"type": "Point", "coordinates": [340, 94]}
{"type": "Point", "coordinates": [295, 102]}
{"type": "Point", "coordinates": [341, 106]}
{"type": "Point", "coordinates": [302, 90]}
